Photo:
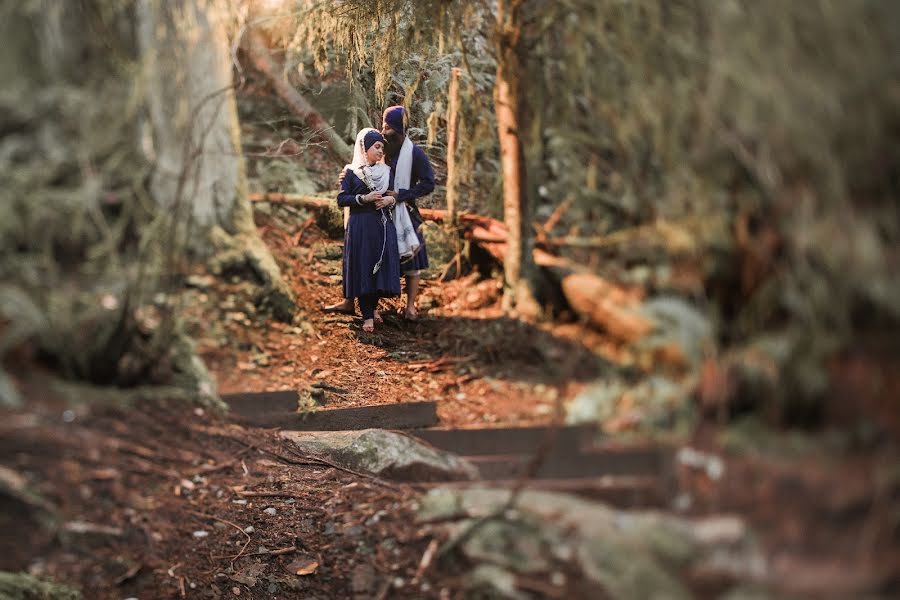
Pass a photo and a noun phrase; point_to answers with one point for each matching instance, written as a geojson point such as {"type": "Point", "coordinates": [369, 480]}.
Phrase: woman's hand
{"type": "Point", "coordinates": [385, 202]}
{"type": "Point", "coordinates": [372, 197]}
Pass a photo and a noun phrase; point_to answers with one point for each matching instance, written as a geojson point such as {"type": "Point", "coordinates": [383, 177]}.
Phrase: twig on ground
{"type": "Point", "coordinates": [207, 469]}
{"type": "Point", "coordinates": [271, 494]}
{"type": "Point", "coordinates": [227, 522]}
{"type": "Point", "coordinates": [129, 574]}
{"type": "Point", "coordinates": [427, 557]}
{"type": "Point", "coordinates": [333, 465]}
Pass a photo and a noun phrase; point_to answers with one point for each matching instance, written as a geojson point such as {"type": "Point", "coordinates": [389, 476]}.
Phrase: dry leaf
{"type": "Point", "coordinates": [303, 566]}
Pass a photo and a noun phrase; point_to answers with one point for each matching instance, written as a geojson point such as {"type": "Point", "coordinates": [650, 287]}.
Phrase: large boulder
{"type": "Point", "coordinates": [386, 454]}
{"type": "Point", "coordinates": [625, 554]}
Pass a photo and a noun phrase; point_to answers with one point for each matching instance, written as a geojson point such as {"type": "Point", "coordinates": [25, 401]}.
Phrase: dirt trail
{"type": "Point", "coordinates": [482, 367]}
{"type": "Point", "coordinates": [168, 501]}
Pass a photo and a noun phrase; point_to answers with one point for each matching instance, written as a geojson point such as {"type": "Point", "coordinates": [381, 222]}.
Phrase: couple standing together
{"type": "Point", "coordinates": [382, 238]}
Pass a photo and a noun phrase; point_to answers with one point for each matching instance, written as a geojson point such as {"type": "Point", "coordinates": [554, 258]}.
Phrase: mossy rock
{"type": "Point", "coordinates": [331, 221]}
{"type": "Point", "coordinates": [440, 243]}
{"type": "Point", "coordinates": [383, 453]}
{"type": "Point", "coordinates": [19, 586]}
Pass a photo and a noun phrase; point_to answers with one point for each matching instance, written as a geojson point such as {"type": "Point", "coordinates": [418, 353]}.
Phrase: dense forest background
{"type": "Point", "coordinates": [702, 195]}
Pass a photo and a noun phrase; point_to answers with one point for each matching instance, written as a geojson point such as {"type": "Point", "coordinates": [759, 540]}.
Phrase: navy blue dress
{"type": "Point", "coordinates": [421, 179]}
{"type": "Point", "coordinates": [366, 240]}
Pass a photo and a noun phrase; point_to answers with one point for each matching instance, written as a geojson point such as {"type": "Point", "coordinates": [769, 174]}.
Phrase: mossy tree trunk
{"type": "Point", "coordinates": [196, 137]}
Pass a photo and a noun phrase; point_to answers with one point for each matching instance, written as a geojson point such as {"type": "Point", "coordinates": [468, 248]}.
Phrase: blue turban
{"type": "Point", "coordinates": [393, 116]}
{"type": "Point", "coordinates": [372, 137]}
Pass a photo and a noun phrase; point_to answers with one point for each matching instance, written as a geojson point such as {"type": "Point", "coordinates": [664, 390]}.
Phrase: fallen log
{"type": "Point", "coordinates": [314, 202]}
{"type": "Point", "coordinates": [600, 302]}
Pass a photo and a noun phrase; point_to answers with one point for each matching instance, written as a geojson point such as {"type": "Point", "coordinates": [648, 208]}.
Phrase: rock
{"type": "Point", "coordinates": [18, 586]}
{"type": "Point", "coordinates": [329, 251]}
{"type": "Point", "coordinates": [249, 257]}
{"type": "Point", "coordinates": [682, 335]}
{"type": "Point", "coordinates": [383, 453]}
{"type": "Point", "coordinates": [517, 546]}
{"type": "Point", "coordinates": [625, 572]}
{"type": "Point", "coordinates": [630, 554]}
{"type": "Point", "coordinates": [655, 402]}
{"type": "Point", "coordinates": [490, 581]}
{"type": "Point", "coordinates": [440, 243]}
{"type": "Point", "coordinates": [331, 221]}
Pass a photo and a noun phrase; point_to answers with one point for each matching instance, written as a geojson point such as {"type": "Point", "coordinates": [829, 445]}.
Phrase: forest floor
{"type": "Point", "coordinates": [163, 500]}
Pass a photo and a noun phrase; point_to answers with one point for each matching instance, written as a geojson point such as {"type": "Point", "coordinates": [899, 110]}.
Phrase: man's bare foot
{"type": "Point", "coordinates": [411, 313]}
{"type": "Point", "coordinates": [369, 325]}
{"type": "Point", "coordinates": [344, 306]}
{"type": "Point", "coordinates": [378, 318]}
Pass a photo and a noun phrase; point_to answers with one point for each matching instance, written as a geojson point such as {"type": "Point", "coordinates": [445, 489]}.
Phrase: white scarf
{"type": "Point", "coordinates": [407, 241]}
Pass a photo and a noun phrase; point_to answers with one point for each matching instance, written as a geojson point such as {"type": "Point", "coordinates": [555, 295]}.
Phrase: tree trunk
{"type": "Point", "coordinates": [259, 54]}
{"type": "Point", "coordinates": [452, 175]}
{"type": "Point", "coordinates": [196, 136]}
{"type": "Point", "coordinates": [518, 265]}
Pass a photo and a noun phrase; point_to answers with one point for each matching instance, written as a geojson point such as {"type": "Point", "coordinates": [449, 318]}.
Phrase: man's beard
{"type": "Point", "coordinates": [392, 144]}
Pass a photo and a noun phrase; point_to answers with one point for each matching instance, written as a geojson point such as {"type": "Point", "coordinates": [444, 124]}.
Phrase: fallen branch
{"type": "Point", "coordinates": [258, 53]}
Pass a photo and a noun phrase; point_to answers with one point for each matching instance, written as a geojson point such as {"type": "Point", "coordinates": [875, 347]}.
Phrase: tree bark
{"type": "Point", "coordinates": [259, 54]}
{"type": "Point", "coordinates": [452, 175]}
{"type": "Point", "coordinates": [518, 266]}
{"type": "Point", "coordinates": [196, 137]}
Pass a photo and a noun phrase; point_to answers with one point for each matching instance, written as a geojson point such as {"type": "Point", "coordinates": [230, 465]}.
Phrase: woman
{"type": "Point", "coordinates": [371, 260]}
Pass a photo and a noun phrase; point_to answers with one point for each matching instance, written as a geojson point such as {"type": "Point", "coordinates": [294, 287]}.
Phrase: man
{"type": "Point", "coordinates": [411, 178]}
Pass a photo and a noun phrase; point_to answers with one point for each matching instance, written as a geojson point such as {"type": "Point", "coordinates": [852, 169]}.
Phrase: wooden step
{"type": "Point", "coordinates": [279, 409]}
{"type": "Point", "coordinates": [507, 440]}
{"type": "Point", "coordinates": [647, 461]}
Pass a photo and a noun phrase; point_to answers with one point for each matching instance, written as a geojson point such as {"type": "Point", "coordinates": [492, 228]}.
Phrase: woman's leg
{"type": "Point", "coordinates": [367, 306]}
